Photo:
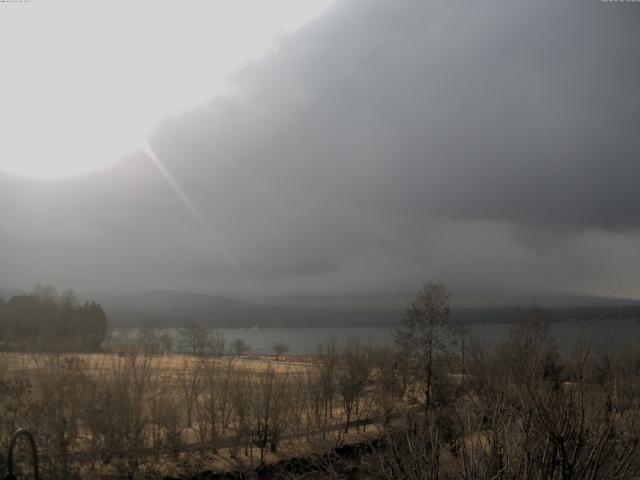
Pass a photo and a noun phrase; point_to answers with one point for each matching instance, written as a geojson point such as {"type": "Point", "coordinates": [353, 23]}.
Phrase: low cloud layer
{"type": "Point", "coordinates": [492, 145]}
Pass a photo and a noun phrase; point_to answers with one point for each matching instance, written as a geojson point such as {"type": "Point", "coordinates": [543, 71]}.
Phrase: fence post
{"type": "Point", "coordinates": [34, 453]}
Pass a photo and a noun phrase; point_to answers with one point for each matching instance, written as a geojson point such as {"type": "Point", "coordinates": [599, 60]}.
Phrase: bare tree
{"type": "Point", "coordinates": [189, 379]}
{"type": "Point", "coordinates": [279, 349]}
{"type": "Point", "coordinates": [353, 377]}
{"type": "Point", "coordinates": [218, 343]}
{"type": "Point", "coordinates": [271, 408]}
{"type": "Point", "coordinates": [388, 390]}
{"type": "Point", "coordinates": [531, 351]}
{"type": "Point", "coordinates": [197, 338]}
{"type": "Point", "coordinates": [241, 396]}
{"type": "Point", "coordinates": [166, 342]}
{"type": "Point", "coordinates": [148, 339]}
{"type": "Point", "coordinates": [240, 346]}
{"type": "Point", "coordinates": [327, 360]}
{"type": "Point", "coordinates": [427, 332]}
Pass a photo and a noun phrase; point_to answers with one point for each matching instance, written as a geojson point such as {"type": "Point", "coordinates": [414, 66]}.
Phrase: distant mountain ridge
{"type": "Point", "coordinates": [171, 299]}
{"type": "Point", "coordinates": [170, 308]}
{"type": "Point", "coordinates": [173, 308]}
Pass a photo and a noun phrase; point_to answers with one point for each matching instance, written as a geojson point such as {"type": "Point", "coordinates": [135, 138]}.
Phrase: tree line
{"type": "Point", "coordinates": [47, 320]}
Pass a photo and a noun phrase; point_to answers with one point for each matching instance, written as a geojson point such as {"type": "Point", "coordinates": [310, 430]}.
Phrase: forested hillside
{"type": "Point", "coordinates": [51, 321]}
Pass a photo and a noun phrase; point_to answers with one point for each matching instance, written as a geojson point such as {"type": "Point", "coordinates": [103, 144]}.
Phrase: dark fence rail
{"type": "Point", "coordinates": [21, 432]}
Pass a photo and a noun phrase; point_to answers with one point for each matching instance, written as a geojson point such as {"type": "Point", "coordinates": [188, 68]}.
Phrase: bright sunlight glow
{"type": "Point", "coordinates": [83, 82]}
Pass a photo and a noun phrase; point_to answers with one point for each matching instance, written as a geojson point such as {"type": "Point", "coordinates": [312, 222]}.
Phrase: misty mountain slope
{"type": "Point", "coordinates": [170, 308]}
{"type": "Point", "coordinates": [176, 309]}
{"type": "Point", "coordinates": [172, 299]}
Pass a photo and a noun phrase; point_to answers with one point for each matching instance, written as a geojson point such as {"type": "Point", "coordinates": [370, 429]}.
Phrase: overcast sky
{"type": "Point", "coordinates": [491, 145]}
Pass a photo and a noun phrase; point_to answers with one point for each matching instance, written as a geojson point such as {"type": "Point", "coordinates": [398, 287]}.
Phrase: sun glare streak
{"type": "Point", "coordinates": [190, 206]}
{"type": "Point", "coordinates": [76, 97]}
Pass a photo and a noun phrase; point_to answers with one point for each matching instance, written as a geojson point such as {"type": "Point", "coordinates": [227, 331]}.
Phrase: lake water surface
{"type": "Point", "coordinates": [303, 341]}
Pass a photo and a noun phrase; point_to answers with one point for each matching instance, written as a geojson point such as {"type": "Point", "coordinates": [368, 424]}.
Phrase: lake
{"type": "Point", "coordinates": [303, 341]}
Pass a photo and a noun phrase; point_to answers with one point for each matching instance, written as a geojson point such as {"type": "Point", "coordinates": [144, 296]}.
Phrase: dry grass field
{"type": "Point", "coordinates": [169, 364]}
{"type": "Point", "coordinates": [115, 414]}
{"type": "Point", "coordinates": [515, 410]}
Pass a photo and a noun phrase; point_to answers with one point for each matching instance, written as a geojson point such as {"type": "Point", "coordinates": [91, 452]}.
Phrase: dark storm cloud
{"type": "Point", "coordinates": [503, 111]}
{"type": "Point", "coordinates": [493, 145]}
